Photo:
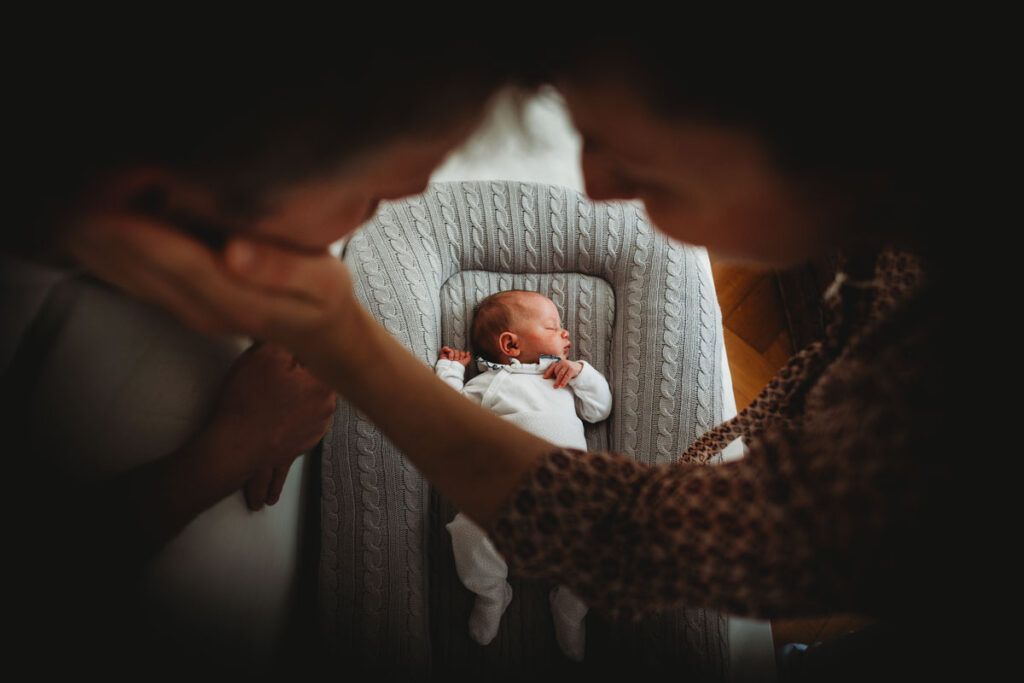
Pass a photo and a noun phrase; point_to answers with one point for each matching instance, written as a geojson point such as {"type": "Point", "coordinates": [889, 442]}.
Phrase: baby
{"type": "Point", "coordinates": [525, 378]}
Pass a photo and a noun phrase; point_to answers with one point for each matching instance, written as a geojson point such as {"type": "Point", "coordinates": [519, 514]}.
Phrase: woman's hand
{"type": "Point", "coordinates": [251, 288]}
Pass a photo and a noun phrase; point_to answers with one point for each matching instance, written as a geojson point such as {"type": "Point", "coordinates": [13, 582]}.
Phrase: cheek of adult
{"type": "Point", "coordinates": [320, 211]}
{"type": "Point", "coordinates": [704, 184]}
{"type": "Point", "coordinates": [156, 259]}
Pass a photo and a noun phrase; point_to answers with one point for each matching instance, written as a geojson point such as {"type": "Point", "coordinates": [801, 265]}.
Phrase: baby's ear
{"type": "Point", "coordinates": [508, 344]}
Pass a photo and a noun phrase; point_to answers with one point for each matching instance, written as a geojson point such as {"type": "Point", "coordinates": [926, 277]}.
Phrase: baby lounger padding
{"type": "Point", "coordinates": [638, 306]}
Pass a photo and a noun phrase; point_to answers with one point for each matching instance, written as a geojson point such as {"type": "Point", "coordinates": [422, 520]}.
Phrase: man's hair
{"type": "Point", "coordinates": [238, 120]}
{"type": "Point", "coordinates": [495, 314]}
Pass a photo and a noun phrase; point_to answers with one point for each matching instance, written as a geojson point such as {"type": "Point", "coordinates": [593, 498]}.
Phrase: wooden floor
{"type": "Point", "coordinates": [757, 341]}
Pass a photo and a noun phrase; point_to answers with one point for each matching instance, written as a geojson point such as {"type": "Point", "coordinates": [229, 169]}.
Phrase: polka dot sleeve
{"type": "Point", "coordinates": [766, 536]}
{"type": "Point", "coordinates": [845, 501]}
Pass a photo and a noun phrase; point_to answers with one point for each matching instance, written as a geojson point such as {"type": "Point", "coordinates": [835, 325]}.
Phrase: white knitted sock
{"type": "Point", "coordinates": [486, 616]}
{"type": "Point", "coordinates": [569, 614]}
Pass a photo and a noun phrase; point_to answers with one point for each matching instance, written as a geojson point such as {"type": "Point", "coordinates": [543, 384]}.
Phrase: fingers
{"type": "Point", "coordinates": [168, 268]}
{"type": "Point", "coordinates": [277, 484]}
{"type": "Point", "coordinates": [257, 487]}
{"type": "Point", "coordinates": [558, 372]}
{"type": "Point", "coordinates": [96, 248]}
{"type": "Point", "coordinates": [564, 374]}
{"type": "Point", "coordinates": [457, 355]}
{"type": "Point", "coordinates": [309, 275]}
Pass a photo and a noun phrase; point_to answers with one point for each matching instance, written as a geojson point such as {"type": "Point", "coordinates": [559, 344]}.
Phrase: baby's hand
{"type": "Point", "coordinates": [448, 353]}
{"type": "Point", "coordinates": [563, 371]}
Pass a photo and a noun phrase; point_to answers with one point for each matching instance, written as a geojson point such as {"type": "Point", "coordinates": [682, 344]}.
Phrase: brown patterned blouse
{"type": "Point", "coordinates": [836, 506]}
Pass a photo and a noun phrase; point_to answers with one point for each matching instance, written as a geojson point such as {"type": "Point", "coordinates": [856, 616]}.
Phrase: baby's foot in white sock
{"type": "Point", "coordinates": [486, 616]}
{"type": "Point", "coordinates": [569, 614]}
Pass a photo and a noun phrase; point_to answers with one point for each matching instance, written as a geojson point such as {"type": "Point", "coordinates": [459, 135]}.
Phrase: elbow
{"type": "Point", "coordinates": [598, 415]}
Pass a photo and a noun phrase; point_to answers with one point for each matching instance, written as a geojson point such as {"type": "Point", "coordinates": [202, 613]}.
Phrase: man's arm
{"type": "Point", "coordinates": [270, 411]}
{"type": "Point", "coordinates": [130, 517]}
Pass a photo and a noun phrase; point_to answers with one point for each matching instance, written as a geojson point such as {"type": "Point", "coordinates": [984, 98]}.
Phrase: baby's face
{"type": "Point", "coordinates": [538, 328]}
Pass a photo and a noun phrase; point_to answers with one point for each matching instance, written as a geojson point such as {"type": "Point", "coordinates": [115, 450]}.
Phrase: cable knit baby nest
{"type": "Point", "coordinates": [639, 307]}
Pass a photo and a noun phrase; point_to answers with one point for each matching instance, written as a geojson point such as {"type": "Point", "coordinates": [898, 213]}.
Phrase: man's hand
{"type": "Point", "coordinates": [271, 410]}
{"type": "Point", "coordinates": [448, 353]}
{"type": "Point", "coordinates": [563, 371]}
{"type": "Point", "coordinates": [264, 488]}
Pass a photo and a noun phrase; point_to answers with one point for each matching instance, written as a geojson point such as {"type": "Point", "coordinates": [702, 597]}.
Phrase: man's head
{"type": "Point", "coordinates": [518, 324]}
{"type": "Point", "coordinates": [300, 148]}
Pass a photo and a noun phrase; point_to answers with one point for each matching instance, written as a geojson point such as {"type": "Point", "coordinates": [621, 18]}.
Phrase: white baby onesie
{"type": "Point", "coordinates": [520, 394]}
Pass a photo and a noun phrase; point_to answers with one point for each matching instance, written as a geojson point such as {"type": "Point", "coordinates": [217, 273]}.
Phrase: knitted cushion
{"type": "Point", "coordinates": [639, 307]}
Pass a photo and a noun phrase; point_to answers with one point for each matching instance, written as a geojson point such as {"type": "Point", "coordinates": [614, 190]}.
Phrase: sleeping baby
{"type": "Point", "coordinates": [525, 378]}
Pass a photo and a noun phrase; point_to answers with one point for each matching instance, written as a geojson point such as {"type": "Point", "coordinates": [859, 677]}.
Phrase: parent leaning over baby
{"type": "Point", "coordinates": [764, 177]}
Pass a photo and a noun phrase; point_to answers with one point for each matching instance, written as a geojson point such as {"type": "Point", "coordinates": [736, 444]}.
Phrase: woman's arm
{"type": "Point", "coordinates": [305, 303]}
{"type": "Point", "coordinates": [471, 456]}
{"type": "Point", "coordinates": [766, 536]}
{"type": "Point", "coordinates": [839, 517]}
{"type": "Point", "coordinates": [859, 505]}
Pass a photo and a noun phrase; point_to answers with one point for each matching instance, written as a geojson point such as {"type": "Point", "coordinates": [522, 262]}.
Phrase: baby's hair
{"type": "Point", "coordinates": [492, 316]}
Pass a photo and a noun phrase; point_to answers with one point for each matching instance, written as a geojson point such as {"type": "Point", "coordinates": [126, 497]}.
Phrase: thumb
{"type": "Point", "coordinates": [306, 273]}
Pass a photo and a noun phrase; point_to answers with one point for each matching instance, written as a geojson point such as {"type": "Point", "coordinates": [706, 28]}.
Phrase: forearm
{"type": "Point", "coordinates": [634, 539]}
{"type": "Point", "coordinates": [137, 513]}
{"type": "Point", "coordinates": [451, 373]}
{"type": "Point", "coordinates": [593, 392]}
{"type": "Point", "coordinates": [471, 456]}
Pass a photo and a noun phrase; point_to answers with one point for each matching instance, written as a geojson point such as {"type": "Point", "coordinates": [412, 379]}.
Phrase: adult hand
{"type": "Point", "coordinates": [269, 292]}
{"type": "Point", "coordinates": [563, 371]}
{"type": "Point", "coordinates": [271, 410]}
{"type": "Point", "coordinates": [264, 487]}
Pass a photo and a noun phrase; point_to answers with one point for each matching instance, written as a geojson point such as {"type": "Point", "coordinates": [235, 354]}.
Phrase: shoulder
{"type": "Point", "coordinates": [889, 394]}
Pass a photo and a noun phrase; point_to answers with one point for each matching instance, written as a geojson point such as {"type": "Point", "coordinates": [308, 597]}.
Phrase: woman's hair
{"type": "Point", "coordinates": [876, 123]}
{"type": "Point", "coordinates": [840, 106]}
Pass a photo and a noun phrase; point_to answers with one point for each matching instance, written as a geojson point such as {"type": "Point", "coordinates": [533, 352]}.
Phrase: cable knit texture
{"type": "Point", "coordinates": [835, 507]}
{"type": "Point", "coordinates": [641, 309]}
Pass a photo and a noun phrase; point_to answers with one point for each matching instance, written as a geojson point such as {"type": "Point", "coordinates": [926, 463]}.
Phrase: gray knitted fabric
{"type": "Point", "coordinates": [639, 308]}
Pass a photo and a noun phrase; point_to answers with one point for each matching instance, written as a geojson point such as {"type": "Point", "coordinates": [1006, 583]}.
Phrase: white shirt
{"type": "Point", "coordinates": [519, 393]}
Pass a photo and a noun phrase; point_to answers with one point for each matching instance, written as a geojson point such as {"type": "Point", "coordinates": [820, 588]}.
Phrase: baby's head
{"type": "Point", "coordinates": [518, 324]}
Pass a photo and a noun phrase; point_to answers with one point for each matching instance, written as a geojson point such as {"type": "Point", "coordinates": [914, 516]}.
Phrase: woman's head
{"type": "Point", "coordinates": [769, 161]}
